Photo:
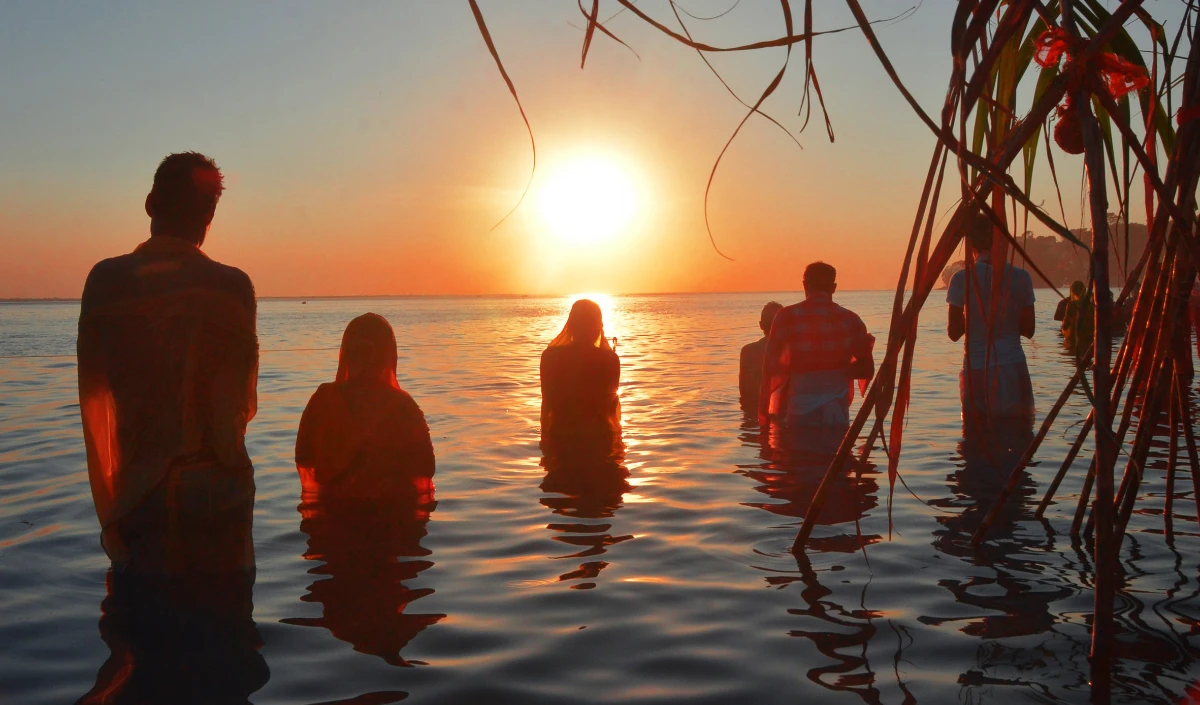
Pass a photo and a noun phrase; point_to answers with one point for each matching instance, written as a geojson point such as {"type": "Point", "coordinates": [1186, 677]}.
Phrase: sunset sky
{"type": "Point", "coordinates": [369, 147]}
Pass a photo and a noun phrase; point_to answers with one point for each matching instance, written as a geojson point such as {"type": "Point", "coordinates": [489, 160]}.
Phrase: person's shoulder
{"type": "Point", "coordinates": [406, 400]}
{"type": "Point", "coordinates": [107, 276]}
{"type": "Point", "coordinates": [790, 311]}
{"type": "Point", "coordinates": [849, 315]}
{"type": "Point", "coordinates": [113, 267]}
{"type": "Point", "coordinates": [234, 278]}
{"type": "Point", "coordinates": [324, 391]}
{"type": "Point", "coordinates": [233, 281]}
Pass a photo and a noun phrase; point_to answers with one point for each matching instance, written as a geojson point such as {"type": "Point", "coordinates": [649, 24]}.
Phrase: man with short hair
{"type": "Point", "coordinates": [817, 349]}
{"type": "Point", "coordinates": [168, 363]}
{"type": "Point", "coordinates": [751, 362]}
{"type": "Point", "coordinates": [994, 382]}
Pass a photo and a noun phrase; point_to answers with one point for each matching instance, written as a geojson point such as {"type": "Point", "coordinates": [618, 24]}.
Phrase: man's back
{"type": "Point", "coordinates": [992, 339]}
{"type": "Point", "coordinates": [167, 371]}
{"type": "Point", "coordinates": [820, 335]}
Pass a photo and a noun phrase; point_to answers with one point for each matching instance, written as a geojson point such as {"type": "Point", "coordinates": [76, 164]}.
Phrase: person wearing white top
{"type": "Point", "coordinates": [994, 382]}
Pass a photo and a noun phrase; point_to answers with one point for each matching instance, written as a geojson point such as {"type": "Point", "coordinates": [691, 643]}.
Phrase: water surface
{"type": "Point", "coordinates": [676, 589]}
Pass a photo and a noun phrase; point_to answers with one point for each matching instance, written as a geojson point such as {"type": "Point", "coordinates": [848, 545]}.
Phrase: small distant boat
{"type": "Point", "coordinates": [303, 302]}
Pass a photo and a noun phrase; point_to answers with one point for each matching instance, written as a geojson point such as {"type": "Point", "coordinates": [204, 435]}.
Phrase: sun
{"type": "Point", "coordinates": [588, 200]}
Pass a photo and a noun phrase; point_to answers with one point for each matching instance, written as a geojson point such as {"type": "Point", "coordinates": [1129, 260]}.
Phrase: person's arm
{"type": "Point", "coordinates": [420, 444]}
{"type": "Point", "coordinates": [1027, 322]}
{"type": "Point", "coordinates": [956, 323]}
{"type": "Point", "coordinates": [613, 376]}
{"type": "Point", "coordinates": [746, 386]}
{"type": "Point", "coordinates": [771, 355]}
{"type": "Point", "coordinates": [863, 365]}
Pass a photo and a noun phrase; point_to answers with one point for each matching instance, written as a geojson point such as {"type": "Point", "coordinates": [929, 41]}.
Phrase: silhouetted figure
{"type": "Point", "coordinates": [361, 583]}
{"type": "Point", "coordinates": [168, 363]}
{"type": "Point", "coordinates": [1078, 322]}
{"type": "Point", "coordinates": [1060, 311]}
{"type": "Point", "coordinates": [750, 369]}
{"type": "Point", "coordinates": [180, 640]}
{"type": "Point", "coordinates": [362, 436]}
{"type": "Point", "coordinates": [815, 351]}
{"type": "Point", "coordinates": [994, 382]}
{"type": "Point", "coordinates": [580, 374]}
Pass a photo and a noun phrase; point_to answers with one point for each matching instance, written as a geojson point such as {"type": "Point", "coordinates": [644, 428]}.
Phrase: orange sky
{"type": "Point", "coordinates": [370, 148]}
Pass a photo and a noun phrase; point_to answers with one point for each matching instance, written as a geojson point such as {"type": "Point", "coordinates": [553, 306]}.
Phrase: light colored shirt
{"type": "Point", "coordinates": [820, 398]}
{"type": "Point", "coordinates": [1002, 346]}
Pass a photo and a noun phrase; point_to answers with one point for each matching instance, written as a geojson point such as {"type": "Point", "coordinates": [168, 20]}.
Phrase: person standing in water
{"type": "Point", "coordinates": [1078, 321]}
{"type": "Point", "coordinates": [363, 438]}
{"type": "Point", "coordinates": [994, 382]}
{"type": "Point", "coordinates": [580, 373]}
{"type": "Point", "coordinates": [815, 351]}
{"type": "Point", "coordinates": [750, 369]}
{"type": "Point", "coordinates": [168, 365]}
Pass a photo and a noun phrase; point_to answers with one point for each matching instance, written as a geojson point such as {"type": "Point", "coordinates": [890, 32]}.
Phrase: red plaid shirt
{"type": "Point", "coordinates": [812, 336]}
{"type": "Point", "coordinates": [815, 334]}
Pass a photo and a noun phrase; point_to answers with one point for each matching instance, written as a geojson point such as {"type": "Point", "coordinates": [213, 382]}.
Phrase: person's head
{"type": "Point", "coordinates": [585, 322]}
{"type": "Point", "coordinates": [184, 197]}
{"type": "Point", "coordinates": [768, 316]}
{"type": "Point", "coordinates": [1078, 289]}
{"type": "Point", "coordinates": [979, 232]}
{"type": "Point", "coordinates": [368, 353]}
{"type": "Point", "coordinates": [819, 278]}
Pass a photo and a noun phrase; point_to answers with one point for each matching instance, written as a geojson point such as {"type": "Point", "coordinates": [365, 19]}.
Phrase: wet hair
{"type": "Point", "coordinates": [1078, 288]}
{"type": "Point", "coordinates": [820, 277]}
{"type": "Point", "coordinates": [767, 317]}
{"type": "Point", "coordinates": [187, 186]}
{"type": "Point", "coordinates": [979, 232]}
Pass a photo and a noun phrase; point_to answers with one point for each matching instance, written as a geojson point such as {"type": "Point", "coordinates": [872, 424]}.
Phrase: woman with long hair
{"type": "Point", "coordinates": [362, 436]}
{"type": "Point", "coordinates": [580, 373]}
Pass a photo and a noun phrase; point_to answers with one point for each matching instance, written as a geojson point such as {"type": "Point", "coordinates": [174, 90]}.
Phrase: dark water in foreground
{"type": "Point", "coordinates": [679, 589]}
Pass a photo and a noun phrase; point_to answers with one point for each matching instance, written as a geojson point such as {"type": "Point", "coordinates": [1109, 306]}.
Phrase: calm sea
{"type": "Point", "coordinates": [680, 589]}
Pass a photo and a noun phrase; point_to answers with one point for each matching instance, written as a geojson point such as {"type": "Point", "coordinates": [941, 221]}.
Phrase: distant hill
{"type": "Point", "coordinates": [1062, 262]}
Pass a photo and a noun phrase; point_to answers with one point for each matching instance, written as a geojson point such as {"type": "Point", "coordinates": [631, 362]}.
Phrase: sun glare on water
{"type": "Point", "coordinates": [588, 200]}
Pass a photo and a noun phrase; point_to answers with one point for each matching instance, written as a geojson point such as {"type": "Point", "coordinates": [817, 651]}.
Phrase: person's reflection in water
{"type": "Point", "coordinates": [581, 443]}
{"type": "Point", "coordinates": [585, 487]}
{"type": "Point", "coordinates": [989, 452]}
{"type": "Point", "coordinates": [178, 639]}
{"type": "Point", "coordinates": [794, 464]}
{"type": "Point", "coordinates": [364, 596]}
{"type": "Point", "coordinates": [1015, 588]}
{"type": "Point", "coordinates": [366, 468]}
{"type": "Point", "coordinates": [795, 461]}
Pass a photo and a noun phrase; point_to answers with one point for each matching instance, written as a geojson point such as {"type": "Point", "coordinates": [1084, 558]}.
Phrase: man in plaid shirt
{"type": "Point", "coordinates": [815, 351]}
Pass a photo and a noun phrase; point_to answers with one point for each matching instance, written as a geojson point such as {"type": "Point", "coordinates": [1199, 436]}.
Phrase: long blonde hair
{"type": "Point", "coordinates": [583, 313]}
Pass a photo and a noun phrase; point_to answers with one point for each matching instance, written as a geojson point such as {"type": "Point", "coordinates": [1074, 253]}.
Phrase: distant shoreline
{"type": "Point", "coordinates": [60, 300]}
